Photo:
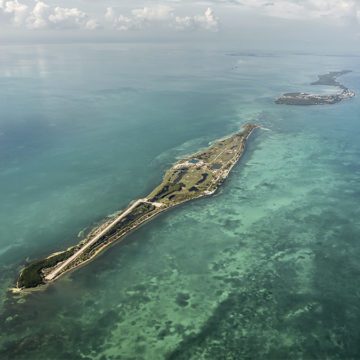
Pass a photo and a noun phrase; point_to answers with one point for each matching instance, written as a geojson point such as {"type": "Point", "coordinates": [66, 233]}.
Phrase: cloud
{"type": "Point", "coordinates": [161, 16]}
{"type": "Point", "coordinates": [68, 18]}
{"type": "Point", "coordinates": [140, 18]}
{"type": "Point", "coordinates": [155, 13]}
{"type": "Point", "coordinates": [208, 21]}
{"type": "Point", "coordinates": [43, 16]}
{"type": "Point", "coordinates": [341, 11]}
{"type": "Point", "coordinates": [171, 15]}
{"type": "Point", "coordinates": [38, 16]}
{"type": "Point", "coordinates": [14, 10]}
{"type": "Point", "coordinates": [92, 24]}
{"type": "Point", "coordinates": [125, 23]}
{"type": "Point", "coordinates": [110, 15]}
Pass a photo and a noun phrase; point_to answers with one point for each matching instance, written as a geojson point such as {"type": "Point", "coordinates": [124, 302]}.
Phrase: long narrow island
{"type": "Point", "coordinates": [301, 98]}
{"type": "Point", "coordinates": [192, 177]}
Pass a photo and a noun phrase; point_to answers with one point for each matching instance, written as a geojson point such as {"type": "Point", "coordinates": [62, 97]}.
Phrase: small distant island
{"type": "Point", "coordinates": [193, 177]}
{"type": "Point", "coordinates": [300, 98]}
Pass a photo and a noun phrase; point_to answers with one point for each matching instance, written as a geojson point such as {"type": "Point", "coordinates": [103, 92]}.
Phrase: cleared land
{"type": "Point", "coordinates": [300, 98]}
{"type": "Point", "coordinates": [195, 176]}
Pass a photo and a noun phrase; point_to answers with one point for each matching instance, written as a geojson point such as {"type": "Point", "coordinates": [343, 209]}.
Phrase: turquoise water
{"type": "Point", "coordinates": [266, 269]}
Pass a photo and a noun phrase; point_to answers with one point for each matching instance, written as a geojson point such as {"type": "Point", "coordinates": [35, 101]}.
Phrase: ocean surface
{"type": "Point", "coordinates": [267, 268]}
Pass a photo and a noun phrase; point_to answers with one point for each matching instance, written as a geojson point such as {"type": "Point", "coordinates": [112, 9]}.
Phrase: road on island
{"type": "Point", "coordinates": [57, 270]}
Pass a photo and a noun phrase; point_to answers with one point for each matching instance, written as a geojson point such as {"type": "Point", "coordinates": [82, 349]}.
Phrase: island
{"type": "Point", "coordinates": [193, 177]}
{"type": "Point", "coordinates": [300, 98]}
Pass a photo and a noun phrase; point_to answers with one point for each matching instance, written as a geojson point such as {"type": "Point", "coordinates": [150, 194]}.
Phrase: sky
{"type": "Point", "coordinates": [295, 24]}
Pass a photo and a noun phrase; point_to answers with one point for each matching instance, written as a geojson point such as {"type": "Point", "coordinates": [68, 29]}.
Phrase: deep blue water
{"type": "Point", "coordinates": [267, 268]}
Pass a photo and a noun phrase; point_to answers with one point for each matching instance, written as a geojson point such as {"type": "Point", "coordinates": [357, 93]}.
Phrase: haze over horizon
{"type": "Point", "coordinates": [325, 25]}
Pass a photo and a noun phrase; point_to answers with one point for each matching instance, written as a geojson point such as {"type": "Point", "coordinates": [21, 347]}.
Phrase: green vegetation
{"type": "Point", "coordinates": [128, 220]}
{"type": "Point", "coordinates": [167, 190]}
{"type": "Point", "coordinates": [31, 275]}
